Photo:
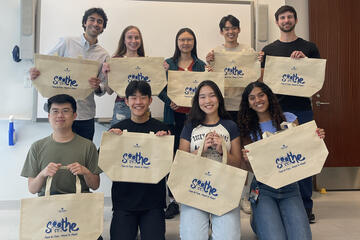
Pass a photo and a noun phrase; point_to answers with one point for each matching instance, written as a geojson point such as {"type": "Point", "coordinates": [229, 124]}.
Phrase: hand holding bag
{"type": "Point", "coordinates": [61, 75]}
{"type": "Point", "coordinates": [125, 70]}
{"type": "Point", "coordinates": [301, 77]}
{"type": "Point", "coordinates": [136, 157]}
{"type": "Point", "coordinates": [288, 156]}
{"type": "Point", "coordinates": [64, 217]}
{"type": "Point", "coordinates": [204, 183]}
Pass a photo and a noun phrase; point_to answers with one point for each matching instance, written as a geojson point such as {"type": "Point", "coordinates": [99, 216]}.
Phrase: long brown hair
{"type": "Point", "coordinates": [121, 49]}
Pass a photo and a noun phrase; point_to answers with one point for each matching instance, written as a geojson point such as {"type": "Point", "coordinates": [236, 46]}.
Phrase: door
{"type": "Point", "coordinates": [334, 27]}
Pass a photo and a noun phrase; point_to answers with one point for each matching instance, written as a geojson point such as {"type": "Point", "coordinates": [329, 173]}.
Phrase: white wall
{"type": "Point", "coordinates": [302, 28]}
{"type": "Point", "coordinates": [12, 73]}
{"type": "Point", "coordinates": [13, 186]}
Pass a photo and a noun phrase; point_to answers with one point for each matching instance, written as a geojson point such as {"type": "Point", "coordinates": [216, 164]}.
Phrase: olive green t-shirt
{"type": "Point", "coordinates": [46, 150]}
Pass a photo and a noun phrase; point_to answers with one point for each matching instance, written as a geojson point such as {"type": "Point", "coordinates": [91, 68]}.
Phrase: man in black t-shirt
{"type": "Point", "coordinates": [290, 45]}
{"type": "Point", "coordinates": [138, 205]}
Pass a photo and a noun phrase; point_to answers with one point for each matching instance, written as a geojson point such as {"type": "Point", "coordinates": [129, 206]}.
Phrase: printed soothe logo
{"type": "Point", "coordinates": [233, 72]}
{"type": "Point", "coordinates": [61, 228]}
{"type": "Point", "coordinates": [65, 81]}
{"type": "Point", "coordinates": [190, 91]}
{"type": "Point", "coordinates": [290, 161]}
{"type": "Point", "coordinates": [292, 79]}
{"type": "Point", "coordinates": [203, 188]}
{"type": "Point", "coordinates": [138, 76]}
{"type": "Point", "coordinates": [135, 160]}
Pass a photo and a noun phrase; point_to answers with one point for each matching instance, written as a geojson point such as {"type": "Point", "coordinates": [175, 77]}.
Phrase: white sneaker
{"type": "Point", "coordinates": [245, 206]}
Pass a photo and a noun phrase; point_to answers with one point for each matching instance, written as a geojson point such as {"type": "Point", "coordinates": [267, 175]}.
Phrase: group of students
{"type": "Point", "coordinates": [277, 213]}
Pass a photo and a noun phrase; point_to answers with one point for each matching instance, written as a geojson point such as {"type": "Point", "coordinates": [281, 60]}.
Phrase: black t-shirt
{"type": "Point", "coordinates": [284, 49]}
{"type": "Point", "coordinates": [139, 196]}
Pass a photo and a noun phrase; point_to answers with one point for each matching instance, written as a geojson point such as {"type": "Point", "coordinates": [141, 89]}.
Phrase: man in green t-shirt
{"type": "Point", "coordinates": [63, 148]}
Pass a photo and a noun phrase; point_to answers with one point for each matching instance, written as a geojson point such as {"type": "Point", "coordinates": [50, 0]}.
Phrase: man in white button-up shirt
{"type": "Point", "coordinates": [94, 22]}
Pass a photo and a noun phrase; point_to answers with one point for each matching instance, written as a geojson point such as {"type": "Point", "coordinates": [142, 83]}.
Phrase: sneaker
{"type": "Point", "coordinates": [245, 206]}
{"type": "Point", "coordinates": [172, 210]}
{"type": "Point", "coordinates": [310, 215]}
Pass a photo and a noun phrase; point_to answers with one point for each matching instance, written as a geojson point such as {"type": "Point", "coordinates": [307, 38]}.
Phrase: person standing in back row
{"type": "Point", "coordinates": [230, 30]}
{"type": "Point", "coordinates": [290, 45]}
{"type": "Point", "coordinates": [184, 59]}
{"type": "Point", "coordinates": [86, 45]}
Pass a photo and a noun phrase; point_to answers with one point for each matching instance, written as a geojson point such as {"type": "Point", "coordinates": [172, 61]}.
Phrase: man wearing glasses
{"type": "Point", "coordinates": [62, 148]}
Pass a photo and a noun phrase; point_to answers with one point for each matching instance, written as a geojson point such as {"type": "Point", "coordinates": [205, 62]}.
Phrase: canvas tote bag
{"type": "Point", "coordinates": [288, 156]}
{"type": "Point", "coordinates": [206, 184]}
{"type": "Point", "coordinates": [183, 84]}
{"type": "Point", "coordinates": [76, 216]}
{"type": "Point", "coordinates": [239, 68]}
{"type": "Point", "coordinates": [297, 77]}
{"type": "Point", "coordinates": [136, 157]}
{"type": "Point", "coordinates": [61, 75]}
{"type": "Point", "coordinates": [148, 69]}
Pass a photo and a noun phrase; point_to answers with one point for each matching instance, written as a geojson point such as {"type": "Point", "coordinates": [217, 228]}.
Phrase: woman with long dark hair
{"type": "Point", "coordinates": [277, 213]}
{"type": "Point", "coordinates": [208, 124]}
{"type": "Point", "coordinates": [184, 59]}
{"type": "Point", "coordinates": [130, 45]}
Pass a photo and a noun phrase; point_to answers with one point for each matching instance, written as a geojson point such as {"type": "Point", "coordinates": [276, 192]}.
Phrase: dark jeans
{"type": "Point", "coordinates": [180, 119]}
{"type": "Point", "coordinates": [125, 224]}
{"type": "Point", "coordinates": [305, 185]}
{"type": "Point", "coordinates": [279, 214]}
{"type": "Point", "coordinates": [84, 128]}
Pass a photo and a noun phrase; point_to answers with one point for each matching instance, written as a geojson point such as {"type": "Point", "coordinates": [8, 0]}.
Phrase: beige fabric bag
{"type": "Point", "coordinates": [63, 217]}
{"type": "Point", "coordinates": [125, 70]}
{"type": "Point", "coordinates": [183, 84]}
{"type": "Point", "coordinates": [287, 156]}
{"type": "Point", "coordinates": [136, 157]}
{"type": "Point", "coordinates": [239, 68]}
{"type": "Point", "coordinates": [60, 75]}
{"type": "Point", "coordinates": [297, 77]}
{"type": "Point", "coordinates": [206, 184]}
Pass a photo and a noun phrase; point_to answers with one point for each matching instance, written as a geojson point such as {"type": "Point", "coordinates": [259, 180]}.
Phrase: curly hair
{"type": "Point", "coordinates": [248, 120]}
{"type": "Point", "coordinates": [98, 11]}
{"type": "Point", "coordinates": [196, 115]}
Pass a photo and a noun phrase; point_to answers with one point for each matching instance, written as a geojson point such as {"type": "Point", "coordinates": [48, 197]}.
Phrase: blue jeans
{"type": "Point", "coordinates": [279, 214]}
{"type": "Point", "coordinates": [121, 112]}
{"type": "Point", "coordinates": [305, 185]}
{"type": "Point", "coordinates": [194, 224]}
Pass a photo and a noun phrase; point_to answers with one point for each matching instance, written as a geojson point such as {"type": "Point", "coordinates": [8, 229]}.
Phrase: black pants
{"type": "Point", "coordinates": [125, 224]}
{"type": "Point", "coordinates": [84, 128]}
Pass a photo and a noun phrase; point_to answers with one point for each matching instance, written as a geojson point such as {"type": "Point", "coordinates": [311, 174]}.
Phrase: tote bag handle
{"type": "Point", "coordinates": [224, 156]}
{"type": "Point", "coordinates": [49, 181]}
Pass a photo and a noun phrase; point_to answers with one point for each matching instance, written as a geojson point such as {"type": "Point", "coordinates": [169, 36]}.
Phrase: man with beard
{"type": "Point", "coordinates": [86, 45]}
{"type": "Point", "coordinates": [290, 45]}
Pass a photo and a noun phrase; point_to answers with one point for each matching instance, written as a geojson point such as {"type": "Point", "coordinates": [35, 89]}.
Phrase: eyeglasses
{"type": "Point", "coordinates": [226, 29]}
{"type": "Point", "coordinates": [65, 111]}
{"type": "Point", "coordinates": [185, 40]}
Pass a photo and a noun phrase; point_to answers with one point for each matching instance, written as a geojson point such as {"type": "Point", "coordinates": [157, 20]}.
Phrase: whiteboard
{"type": "Point", "coordinates": [158, 21]}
